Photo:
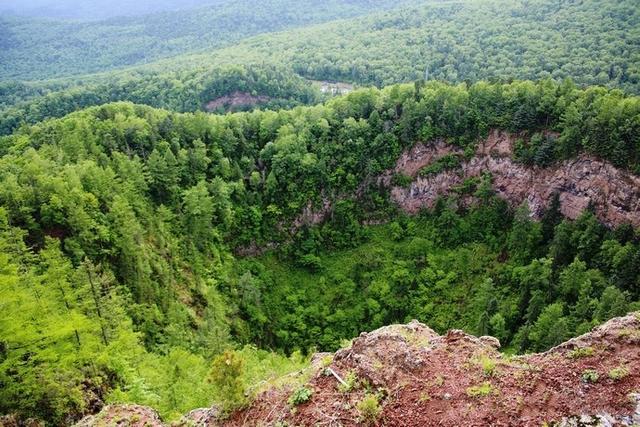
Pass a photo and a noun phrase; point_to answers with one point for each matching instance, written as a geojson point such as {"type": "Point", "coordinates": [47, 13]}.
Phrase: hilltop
{"type": "Point", "coordinates": [408, 375]}
{"type": "Point", "coordinates": [38, 48]}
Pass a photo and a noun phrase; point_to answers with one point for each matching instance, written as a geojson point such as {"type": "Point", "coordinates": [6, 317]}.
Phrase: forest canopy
{"type": "Point", "coordinates": [592, 42]}
{"type": "Point", "coordinates": [198, 196]}
{"type": "Point", "coordinates": [121, 224]}
{"type": "Point", "coordinates": [36, 49]}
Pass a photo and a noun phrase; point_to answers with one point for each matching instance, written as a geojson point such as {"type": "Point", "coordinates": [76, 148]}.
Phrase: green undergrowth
{"type": "Point", "coordinates": [446, 276]}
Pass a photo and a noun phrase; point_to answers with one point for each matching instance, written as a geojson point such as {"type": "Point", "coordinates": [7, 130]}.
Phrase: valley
{"type": "Point", "coordinates": [337, 213]}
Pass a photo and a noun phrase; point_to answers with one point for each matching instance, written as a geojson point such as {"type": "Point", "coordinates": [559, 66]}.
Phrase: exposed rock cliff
{"type": "Point", "coordinates": [420, 378]}
{"type": "Point", "coordinates": [579, 182]}
{"type": "Point", "coordinates": [613, 193]}
{"type": "Point", "coordinates": [235, 100]}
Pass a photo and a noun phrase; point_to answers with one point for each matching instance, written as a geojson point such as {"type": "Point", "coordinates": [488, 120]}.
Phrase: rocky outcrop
{"type": "Point", "coordinates": [202, 417]}
{"type": "Point", "coordinates": [421, 378]}
{"type": "Point", "coordinates": [16, 421]}
{"type": "Point", "coordinates": [123, 416]}
{"type": "Point", "coordinates": [235, 100]}
{"type": "Point", "coordinates": [312, 215]}
{"type": "Point", "coordinates": [580, 182]}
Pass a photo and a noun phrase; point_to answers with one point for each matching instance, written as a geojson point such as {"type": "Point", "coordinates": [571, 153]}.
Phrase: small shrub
{"type": "Point", "coordinates": [445, 163]}
{"type": "Point", "coordinates": [401, 180]}
{"type": "Point", "coordinates": [397, 232]}
{"type": "Point", "coordinates": [226, 376]}
{"type": "Point", "coordinates": [629, 333]}
{"type": "Point", "coordinates": [369, 409]}
{"type": "Point", "coordinates": [468, 186]}
{"type": "Point", "coordinates": [351, 381]}
{"type": "Point", "coordinates": [301, 395]}
{"type": "Point", "coordinates": [326, 361]}
{"type": "Point", "coordinates": [618, 373]}
{"type": "Point", "coordinates": [590, 376]}
{"type": "Point", "coordinates": [481, 390]}
{"type": "Point", "coordinates": [311, 262]}
{"type": "Point", "coordinates": [439, 381]}
{"type": "Point", "coordinates": [581, 352]}
{"type": "Point", "coordinates": [488, 365]}
{"type": "Point", "coordinates": [424, 397]}
{"type": "Point", "coordinates": [345, 343]}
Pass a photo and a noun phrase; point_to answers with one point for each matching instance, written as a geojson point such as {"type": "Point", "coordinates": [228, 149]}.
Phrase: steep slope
{"type": "Point", "coordinates": [133, 214]}
{"type": "Point", "coordinates": [435, 170]}
{"type": "Point", "coordinates": [95, 9]}
{"type": "Point", "coordinates": [272, 87]}
{"type": "Point", "coordinates": [580, 183]}
{"type": "Point", "coordinates": [408, 375]}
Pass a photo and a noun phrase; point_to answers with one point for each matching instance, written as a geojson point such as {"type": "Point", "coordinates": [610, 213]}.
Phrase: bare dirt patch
{"type": "Point", "coordinates": [424, 379]}
{"type": "Point", "coordinates": [235, 100]}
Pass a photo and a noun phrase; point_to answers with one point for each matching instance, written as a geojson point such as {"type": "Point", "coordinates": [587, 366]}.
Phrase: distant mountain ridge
{"type": "Point", "coordinates": [453, 41]}
{"type": "Point", "coordinates": [44, 48]}
{"type": "Point", "coordinates": [96, 9]}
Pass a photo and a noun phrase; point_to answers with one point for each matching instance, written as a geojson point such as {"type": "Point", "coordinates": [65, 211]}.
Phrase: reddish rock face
{"type": "Point", "coordinates": [421, 378]}
{"type": "Point", "coordinates": [585, 180]}
{"type": "Point", "coordinates": [235, 100]}
{"type": "Point", "coordinates": [123, 415]}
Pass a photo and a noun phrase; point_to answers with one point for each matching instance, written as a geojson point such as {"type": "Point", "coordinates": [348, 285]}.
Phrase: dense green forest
{"type": "Point", "coordinates": [119, 225]}
{"type": "Point", "coordinates": [154, 247]}
{"type": "Point", "coordinates": [593, 42]}
{"type": "Point", "coordinates": [181, 92]}
{"type": "Point", "coordinates": [34, 49]}
{"type": "Point", "coordinates": [95, 9]}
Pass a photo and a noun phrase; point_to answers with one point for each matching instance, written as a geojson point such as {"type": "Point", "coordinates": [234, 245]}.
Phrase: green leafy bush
{"type": "Point", "coordinates": [401, 180]}
{"type": "Point", "coordinates": [369, 409]}
{"type": "Point", "coordinates": [581, 352]}
{"type": "Point", "coordinates": [618, 373]}
{"type": "Point", "coordinates": [350, 382]}
{"type": "Point", "coordinates": [444, 163]}
{"type": "Point", "coordinates": [482, 390]}
{"type": "Point", "coordinates": [300, 396]}
{"type": "Point", "coordinates": [590, 376]}
{"type": "Point", "coordinates": [226, 376]}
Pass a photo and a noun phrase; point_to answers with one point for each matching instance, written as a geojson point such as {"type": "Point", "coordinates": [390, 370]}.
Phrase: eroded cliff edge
{"type": "Point", "coordinates": [416, 377]}
{"type": "Point", "coordinates": [584, 181]}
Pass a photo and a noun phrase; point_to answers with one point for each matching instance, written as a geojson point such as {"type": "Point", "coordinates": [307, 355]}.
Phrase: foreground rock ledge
{"type": "Point", "coordinates": [424, 379]}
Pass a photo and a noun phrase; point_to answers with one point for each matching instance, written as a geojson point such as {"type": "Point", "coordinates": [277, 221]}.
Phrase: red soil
{"type": "Point", "coordinates": [423, 379]}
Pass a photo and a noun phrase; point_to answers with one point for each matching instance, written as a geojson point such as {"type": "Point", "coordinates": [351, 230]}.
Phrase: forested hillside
{"type": "Point", "coordinates": [34, 49]}
{"type": "Point", "coordinates": [182, 91]}
{"type": "Point", "coordinates": [592, 42]}
{"type": "Point", "coordinates": [119, 226]}
{"type": "Point", "coordinates": [95, 9]}
{"type": "Point", "coordinates": [199, 196]}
